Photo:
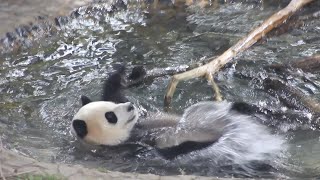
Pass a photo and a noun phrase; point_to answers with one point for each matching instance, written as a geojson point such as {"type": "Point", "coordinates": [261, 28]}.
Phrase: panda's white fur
{"type": "Point", "coordinates": [99, 130]}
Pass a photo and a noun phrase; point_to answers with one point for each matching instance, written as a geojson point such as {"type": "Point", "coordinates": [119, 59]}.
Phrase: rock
{"type": "Point", "coordinates": [14, 165]}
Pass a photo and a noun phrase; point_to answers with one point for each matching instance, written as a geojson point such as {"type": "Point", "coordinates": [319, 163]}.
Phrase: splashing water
{"type": "Point", "coordinates": [40, 87]}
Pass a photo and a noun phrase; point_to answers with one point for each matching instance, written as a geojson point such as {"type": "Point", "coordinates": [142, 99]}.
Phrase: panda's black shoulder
{"type": "Point", "coordinates": [113, 86]}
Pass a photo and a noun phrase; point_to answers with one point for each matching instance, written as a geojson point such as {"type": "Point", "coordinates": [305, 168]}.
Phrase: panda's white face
{"type": "Point", "coordinates": [104, 123]}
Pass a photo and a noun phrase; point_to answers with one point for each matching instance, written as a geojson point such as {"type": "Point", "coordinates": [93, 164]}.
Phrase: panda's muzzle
{"type": "Point", "coordinates": [80, 127]}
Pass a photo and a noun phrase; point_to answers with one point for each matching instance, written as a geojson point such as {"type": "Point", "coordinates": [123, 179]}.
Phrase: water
{"type": "Point", "coordinates": [40, 86]}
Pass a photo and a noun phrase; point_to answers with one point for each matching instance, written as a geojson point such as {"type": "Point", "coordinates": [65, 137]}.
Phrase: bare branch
{"type": "Point", "coordinates": [216, 63]}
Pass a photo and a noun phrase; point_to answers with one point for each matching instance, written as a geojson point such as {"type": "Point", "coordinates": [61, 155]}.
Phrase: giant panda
{"type": "Point", "coordinates": [209, 130]}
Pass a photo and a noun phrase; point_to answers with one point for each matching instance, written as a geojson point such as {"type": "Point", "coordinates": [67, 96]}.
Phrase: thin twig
{"type": "Point", "coordinates": [215, 87]}
{"type": "Point", "coordinates": [216, 63]}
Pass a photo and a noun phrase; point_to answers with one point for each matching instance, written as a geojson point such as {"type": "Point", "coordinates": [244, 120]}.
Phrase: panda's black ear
{"type": "Point", "coordinates": [85, 100]}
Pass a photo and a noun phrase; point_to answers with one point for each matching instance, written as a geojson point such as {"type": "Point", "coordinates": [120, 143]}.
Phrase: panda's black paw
{"type": "Point", "coordinates": [119, 68]}
{"type": "Point", "coordinates": [117, 81]}
{"type": "Point", "coordinates": [114, 80]}
{"type": "Point", "coordinates": [137, 73]}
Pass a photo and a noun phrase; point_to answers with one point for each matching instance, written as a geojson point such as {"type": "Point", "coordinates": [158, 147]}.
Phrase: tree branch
{"type": "Point", "coordinates": [216, 63]}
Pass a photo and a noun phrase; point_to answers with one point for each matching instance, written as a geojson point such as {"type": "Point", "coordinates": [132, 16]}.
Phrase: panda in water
{"type": "Point", "coordinates": [206, 130]}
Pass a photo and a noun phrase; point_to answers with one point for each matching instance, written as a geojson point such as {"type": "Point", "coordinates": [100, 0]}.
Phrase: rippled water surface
{"type": "Point", "coordinates": [40, 87]}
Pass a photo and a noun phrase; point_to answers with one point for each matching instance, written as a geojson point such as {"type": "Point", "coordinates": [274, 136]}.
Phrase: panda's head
{"type": "Point", "coordinates": [104, 122]}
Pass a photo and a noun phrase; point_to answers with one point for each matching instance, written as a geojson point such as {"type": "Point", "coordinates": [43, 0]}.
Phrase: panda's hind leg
{"type": "Point", "coordinates": [245, 108]}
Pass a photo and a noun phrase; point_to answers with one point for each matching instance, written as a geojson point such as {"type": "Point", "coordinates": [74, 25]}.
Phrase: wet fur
{"type": "Point", "coordinates": [201, 127]}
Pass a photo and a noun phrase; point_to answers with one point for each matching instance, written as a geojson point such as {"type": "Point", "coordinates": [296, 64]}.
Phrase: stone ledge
{"type": "Point", "coordinates": [14, 165]}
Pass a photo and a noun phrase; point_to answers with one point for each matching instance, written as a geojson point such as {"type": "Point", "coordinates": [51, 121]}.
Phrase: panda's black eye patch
{"type": "Point", "coordinates": [111, 117]}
